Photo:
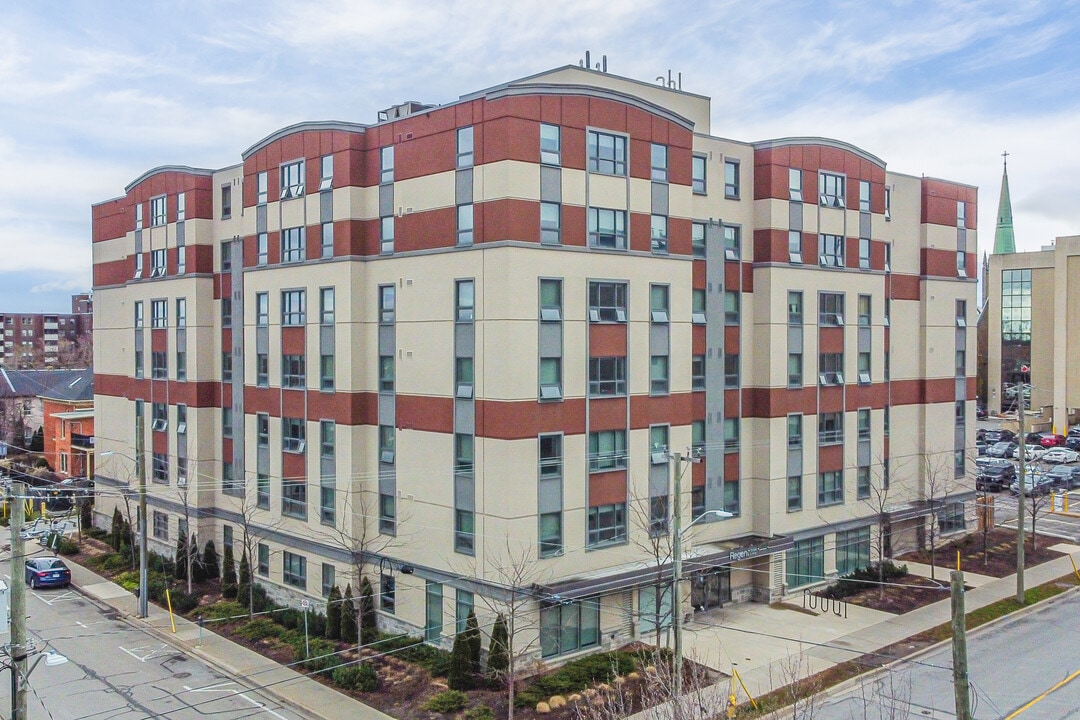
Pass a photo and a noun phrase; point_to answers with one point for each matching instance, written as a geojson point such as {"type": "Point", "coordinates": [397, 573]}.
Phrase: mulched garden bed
{"type": "Point", "coordinates": [1000, 559]}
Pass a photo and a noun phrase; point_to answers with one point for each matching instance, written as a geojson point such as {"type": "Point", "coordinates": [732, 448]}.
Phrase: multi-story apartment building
{"type": "Point", "coordinates": [465, 340]}
{"type": "Point", "coordinates": [37, 340]}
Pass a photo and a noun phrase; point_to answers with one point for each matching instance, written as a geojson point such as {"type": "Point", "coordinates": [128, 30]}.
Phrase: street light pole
{"type": "Point", "coordinates": [1020, 501]}
{"type": "Point", "coordinates": [17, 649]}
{"type": "Point", "coordinates": [140, 470]}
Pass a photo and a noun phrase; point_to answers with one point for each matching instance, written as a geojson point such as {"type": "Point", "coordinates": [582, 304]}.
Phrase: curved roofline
{"type": "Point", "coordinates": [186, 169]}
{"type": "Point", "coordinates": [587, 91]}
{"type": "Point", "coordinates": [301, 127]}
{"type": "Point", "coordinates": [828, 142]}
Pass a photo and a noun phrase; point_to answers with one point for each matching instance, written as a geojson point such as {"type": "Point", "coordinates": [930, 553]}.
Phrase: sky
{"type": "Point", "coordinates": [93, 94]}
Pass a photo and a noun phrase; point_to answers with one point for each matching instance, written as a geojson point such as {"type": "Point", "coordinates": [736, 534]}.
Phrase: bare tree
{"type": "Point", "coordinates": [652, 695]}
{"type": "Point", "coordinates": [885, 695]}
{"type": "Point", "coordinates": [798, 687]}
{"type": "Point", "coordinates": [655, 539]}
{"type": "Point", "coordinates": [75, 354]}
{"type": "Point", "coordinates": [939, 482]}
{"type": "Point", "coordinates": [183, 494]}
{"type": "Point", "coordinates": [256, 524]}
{"type": "Point", "coordinates": [879, 500]}
{"type": "Point", "coordinates": [1037, 504]}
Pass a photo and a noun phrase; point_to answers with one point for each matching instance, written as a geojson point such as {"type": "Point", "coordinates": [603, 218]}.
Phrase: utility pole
{"type": "Point", "coordinates": [140, 470]}
{"type": "Point", "coordinates": [1020, 500]}
{"type": "Point", "coordinates": [676, 579]}
{"type": "Point", "coordinates": [17, 650]}
{"type": "Point", "coordinates": [961, 686]}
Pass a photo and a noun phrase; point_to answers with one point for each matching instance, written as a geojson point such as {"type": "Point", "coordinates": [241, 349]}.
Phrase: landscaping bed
{"type": "Point", "coordinates": [1000, 557]}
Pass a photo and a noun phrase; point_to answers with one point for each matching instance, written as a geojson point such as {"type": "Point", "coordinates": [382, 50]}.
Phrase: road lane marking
{"type": "Point", "coordinates": [218, 687]}
{"type": "Point", "coordinates": [157, 651]}
{"type": "Point", "coordinates": [1042, 697]}
{"type": "Point", "coordinates": [221, 688]}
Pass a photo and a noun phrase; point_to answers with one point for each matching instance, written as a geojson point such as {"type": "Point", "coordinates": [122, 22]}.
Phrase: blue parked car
{"type": "Point", "coordinates": [47, 572]}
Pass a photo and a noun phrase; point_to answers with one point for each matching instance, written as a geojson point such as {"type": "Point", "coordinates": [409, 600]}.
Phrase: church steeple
{"type": "Point", "coordinates": [1004, 241]}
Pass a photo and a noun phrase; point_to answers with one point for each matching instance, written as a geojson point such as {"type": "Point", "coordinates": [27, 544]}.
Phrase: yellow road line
{"type": "Point", "coordinates": [1042, 697]}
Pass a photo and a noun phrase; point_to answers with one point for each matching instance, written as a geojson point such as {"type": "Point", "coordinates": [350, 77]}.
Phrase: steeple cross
{"type": "Point", "coordinates": [1006, 156]}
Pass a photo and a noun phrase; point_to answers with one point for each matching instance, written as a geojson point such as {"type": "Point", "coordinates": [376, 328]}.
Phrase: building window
{"type": "Point", "coordinates": [607, 228]}
{"type": "Point", "coordinates": [731, 307]}
{"type": "Point", "coordinates": [864, 253]}
{"type": "Point", "coordinates": [961, 263]}
{"type": "Point", "coordinates": [795, 307]}
{"type": "Point", "coordinates": [961, 213]}
{"type": "Point", "coordinates": [550, 223]}
{"type": "Point", "coordinates": [731, 435]}
{"type": "Point", "coordinates": [607, 376]}
{"type": "Point", "coordinates": [659, 373]}
{"type": "Point", "coordinates": [697, 438]}
{"type": "Point", "coordinates": [138, 265]}
{"type": "Point", "coordinates": [181, 312]}
{"type": "Point", "coordinates": [569, 627]}
{"type": "Point", "coordinates": [294, 570]}
{"type": "Point", "coordinates": [731, 179]}
{"type": "Point", "coordinates": [550, 300]}
{"type": "Point", "coordinates": [387, 592]}
{"type": "Point", "coordinates": [731, 370]}
{"type": "Point", "coordinates": [464, 607]}
{"type": "Point", "coordinates": [550, 469]}
{"type": "Point", "coordinates": [226, 422]}
{"type": "Point", "coordinates": [951, 518]}
{"type": "Point", "coordinates": [329, 578]}
{"type": "Point", "coordinates": [864, 310]}
{"type": "Point", "coordinates": [160, 467]}
{"type": "Point", "coordinates": [659, 233]}
{"type": "Point", "coordinates": [1016, 306]}
{"type": "Point", "coordinates": [864, 367]}
{"type": "Point", "coordinates": [159, 366]}
{"type": "Point", "coordinates": [831, 309]}
{"type": "Point", "coordinates": [294, 498]}
{"type": "Point", "coordinates": [961, 313]}
{"type": "Point", "coordinates": [433, 611]}
{"type": "Point", "coordinates": [831, 369]}
{"type": "Point", "coordinates": [831, 250]}
{"type": "Point", "coordinates": [607, 302]}
{"type": "Point", "coordinates": [386, 165]}
{"type": "Point", "coordinates": [607, 525]}
{"type": "Point", "coordinates": [464, 301]}
{"type": "Point", "coordinates": [327, 240]}
{"type": "Point", "coordinates": [550, 144]}
{"type": "Point", "coordinates": [732, 243]}
{"type": "Point", "coordinates": [386, 304]}
{"type": "Point", "coordinates": [263, 562]}
{"type": "Point", "coordinates": [465, 147]}
{"type": "Point", "coordinates": [161, 526]}
{"type": "Point", "coordinates": [386, 235]}
{"type": "Point", "coordinates": [465, 225]}
{"type": "Point", "coordinates": [961, 363]}
{"type": "Point", "coordinates": [659, 303]}
{"type": "Point", "coordinates": [292, 179]}
{"type": "Point", "coordinates": [794, 431]}
{"type": "Point", "coordinates": [607, 450]}
{"type": "Point", "coordinates": [863, 423]}
{"type": "Point", "coordinates": [326, 174]}
{"type": "Point", "coordinates": [157, 263]}
{"type": "Point", "coordinates": [831, 190]}
{"type": "Point", "coordinates": [138, 216]}
{"type": "Point", "coordinates": [293, 307]}
{"type": "Point", "coordinates": [697, 372]}
{"type": "Point", "coordinates": [852, 550]}
{"type": "Point", "coordinates": [697, 306]}
{"type": "Point", "coordinates": [181, 419]}
{"type": "Point", "coordinates": [159, 414]}
{"type": "Point", "coordinates": [864, 196]}
{"type": "Point", "coordinates": [386, 373]}
{"type": "Point", "coordinates": [795, 185]}
{"type": "Point", "coordinates": [463, 377]}
{"type": "Point", "coordinates": [293, 241]}
{"type": "Point", "coordinates": [387, 514]}
{"type": "Point", "coordinates": [830, 488]}
{"type": "Point", "coordinates": [157, 211]}
{"type": "Point", "coordinates": [292, 435]}
{"type": "Point", "coordinates": [159, 313]}
{"type": "Point", "coordinates": [261, 188]}
{"type": "Point", "coordinates": [181, 364]}
{"type": "Point", "coordinates": [226, 312]}
{"type": "Point", "coordinates": [659, 160]}
{"type": "Point", "coordinates": [464, 531]}
{"type": "Point", "coordinates": [262, 249]}
{"type": "Point", "coordinates": [550, 378]}
{"type": "Point", "coordinates": [386, 444]}
{"type": "Point", "coordinates": [795, 369]}
{"type": "Point", "coordinates": [795, 247]}
{"type": "Point", "coordinates": [293, 371]}
{"type": "Point", "coordinates": [262, 369]}
{"type": "Point", "coordinates": [862, 483]}
{"type": "Point", "coordinates": [139, 321]}
{"type": "Point", "coordinates": [830, 428]}
{"type": "Point", "coordinates": [697, 239]}
{"type": "Point", "coordinates": [326, 306]}
{"type": "Point", "coordinates": [607, 153]}
{"type": "Point", "coordinates": [697, 175]}
{"type": "Point", "coordinates": [226, 366]}
{"type": "Point", "coordinates": [226, 202]}
{"type": "Point", "coordinates": [794, 493]}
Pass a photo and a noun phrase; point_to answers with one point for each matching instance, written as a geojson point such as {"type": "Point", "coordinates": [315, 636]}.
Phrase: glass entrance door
{"type": "Point", "coordinates": [711, 588]}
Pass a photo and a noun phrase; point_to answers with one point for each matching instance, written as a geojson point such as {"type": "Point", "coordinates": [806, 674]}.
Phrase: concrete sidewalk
{"type": "Point", "coordinates": [307, 697]}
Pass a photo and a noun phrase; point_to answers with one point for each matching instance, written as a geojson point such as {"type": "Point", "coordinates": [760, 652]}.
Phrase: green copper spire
{"type": "Point", "coordinates": [1004, 241]}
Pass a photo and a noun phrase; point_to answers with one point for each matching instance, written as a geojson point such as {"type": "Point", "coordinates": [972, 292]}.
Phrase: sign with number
{"type": "Point", "coordinates": [305, 604]}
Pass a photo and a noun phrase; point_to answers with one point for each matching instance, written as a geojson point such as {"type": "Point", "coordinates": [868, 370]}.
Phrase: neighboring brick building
{"type": "Point", "coordinates": [464, 337]}
{"type": "Point", "coordinates": [40, 340]}
{"type": "Point", "coordinates": [69, 429]}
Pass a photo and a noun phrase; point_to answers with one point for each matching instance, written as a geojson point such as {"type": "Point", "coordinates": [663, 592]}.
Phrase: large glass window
{"type": "Point", "coordinates": [607, 302]}
{"type": "Point", "coordinates": [292, 179]}
{"type": "Point", "coordinates": [831, 189]}
{"type": "Point", "coordinates": [852, 550]}
{"type": "Point", "coordinates": [607, 376]}
{"type": "Point", "coordinates": [607, 450]}
{"type": "Point", "coordinates": [607, 153]}
{"type": "Point", "coordinates": [294, 570]}
{"type": "Point", "coordinates": [569, 627]}
{"type": "Point", "coordinates": [830, 428]}
{"type": "Point", "coordinates": [293, 241]}
{"type": "Point", "coordinates": [830, 488]}
{"type": "Point", "coordinates": [607, 228]}
{"type": "Point", "coordinates": [607, 524]}
{"type": "Point", "coordinates": [806, 562]}
{"type": "Point", "coordinates": [293, 307]}
{"type": "Point", "coordinates": [831, 250]}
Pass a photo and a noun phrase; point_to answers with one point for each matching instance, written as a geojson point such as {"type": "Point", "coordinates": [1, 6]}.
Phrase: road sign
{"type": "Point", "coordinates": [1025, 369]}
{"type": "Point", "coordinates": [305, 604]}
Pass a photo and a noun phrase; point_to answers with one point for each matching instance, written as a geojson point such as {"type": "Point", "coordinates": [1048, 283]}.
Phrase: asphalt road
{"type": "Point", "coordinates": [118, 671]}
{"type": "Point", "coordinates": [1025, 668]}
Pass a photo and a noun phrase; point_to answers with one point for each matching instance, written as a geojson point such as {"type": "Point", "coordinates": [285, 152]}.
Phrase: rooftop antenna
{"type": "Point", "coordinates": [587, 63]}
{"type": "Point", "coordinates": [671, 83]}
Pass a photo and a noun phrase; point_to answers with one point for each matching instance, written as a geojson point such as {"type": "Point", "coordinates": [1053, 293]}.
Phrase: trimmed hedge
{"type": "Point", "coordinates": [361, 678]}
{"type": "Point", "coordinates": [577, 675]}
{"type": "Point", "coordinates": [448, 701]}
{"type": "Point", "coordinates": [863, 579]}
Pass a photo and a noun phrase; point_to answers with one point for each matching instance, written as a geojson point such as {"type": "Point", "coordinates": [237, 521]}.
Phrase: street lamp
{"type": "Point", "coordinates": [677, 531]}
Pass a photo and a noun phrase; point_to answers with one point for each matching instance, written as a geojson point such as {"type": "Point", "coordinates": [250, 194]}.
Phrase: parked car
{"type": "Point", "coordinates": [1067, 477]}
{"type": "Point", "coordinates": [1061, 455]}
{"type": "Point", "coordinates": [980, 435]}
{"type": "Point", "coordinates": [980, 411]}
{"type": "Point", "coordinates": [1072, 441]}
{"type": "Point", "coordinates": [980, 448]}
{"type": "Point", "coordinates": [1049, 440]}
{"type": "Point", "coordinates": [999, 435]}
{"type": "Point", "coordinates": [1031, 452]}
{"type": "Point", "coordinates": [1002, 449]}
{"type": "Point", "coordinates": [995, 478]}
{"type": "Point", "coordinates": [47, 572]}
{"type": "Point", "coordinates": [1035, 484]}
{"type": "Point", "coordinates": [987, 462]}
